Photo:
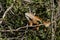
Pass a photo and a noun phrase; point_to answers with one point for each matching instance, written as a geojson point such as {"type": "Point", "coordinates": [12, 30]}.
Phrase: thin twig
{"type": "Point", "coordinates": [18, 29]}
{"type": "Point", "coordinates": [1, 8]}
{"type": "Point", "coordinates": [10, 29]}
{"type": "Point", "coordinates": [28, 26]}
{"type": "Point", "coordinates": [7, 11]}
{"type": "Point", "coordinates": [27, 0]}
{"type": "Point", "coordinates": [52, 17]}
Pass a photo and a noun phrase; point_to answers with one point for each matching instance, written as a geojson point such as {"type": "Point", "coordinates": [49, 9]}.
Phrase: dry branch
{"type": "Point", "coordinates": [6, 13]}
{"type": "Point", "coordinates": [29, 26]}
{"type": "Point", "coordinates": [18, 29]}
{"type": "Point", "coordinates": [52, 17]}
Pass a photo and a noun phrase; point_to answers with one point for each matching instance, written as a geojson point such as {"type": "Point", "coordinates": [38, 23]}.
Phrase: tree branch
{"type": "Point", "coordinates": [18, 29]}
{"type": "Point", "coordinates": [1, 20]}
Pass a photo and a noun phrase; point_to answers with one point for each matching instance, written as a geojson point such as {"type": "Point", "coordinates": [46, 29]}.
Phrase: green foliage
{"type": "Point", "coordinates": [16, 17]}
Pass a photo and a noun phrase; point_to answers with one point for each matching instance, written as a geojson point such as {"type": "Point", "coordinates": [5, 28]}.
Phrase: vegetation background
{"type": "Point", "coordinates": [15, 18]}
